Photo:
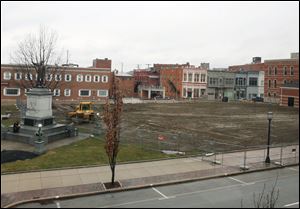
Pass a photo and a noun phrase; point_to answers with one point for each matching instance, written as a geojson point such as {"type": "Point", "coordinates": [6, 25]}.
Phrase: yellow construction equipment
{"type": "Point", "coordinates": [83, 113]}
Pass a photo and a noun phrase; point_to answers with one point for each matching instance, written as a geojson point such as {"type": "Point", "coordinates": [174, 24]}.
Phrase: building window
{"type": "Point", "coordinates": [269, 83]}
{"type": "Point", "coordinates": [261, 83]}
{"type": "Point", "coordinates": [196, 93]}
{"type": "Point", "coordinates": [270, 71]}
{"type": "Point", "coordinates": [190, 77]}
{"type": "Point", "coordinates": [269, 94]}
{"type": "Point", "coordinates": [57, 77]}
{"type": "Point", "coordinates": [84, 93]}
{"type": "Point", "coordinates": [28, 76]}
{"type": "Point", "coordinates": [56, 92]}
{"type": "Point", "coordinates": [252, 81]}
{"type": "Point", "coordinates": [274, 94]}
{"type": "Point", "coordinates": [96, 78]}
{"type": "Point", "coordinates": [11, 91]}
{"type": "Point", "coordinates": [67, 92]}
{"type": "Point", "coordinates": [102, 93]}
{"type": "Point", "coordinates": [104, 78]}
{"type": "Point", "coordinates": [184, 92]}
{"type": "Point", "coordinates": [88, 78]}
{"type": "Point", "coordinates": [68, 77]}
{"type": "Point", "coordinates": [275, 83]}
{"type": "Point", "coordinates": [49, 77]}
{"type": "Point", "coordinates": [197, 77]}
{"type": "Point", "coordinates": [79, 78]}
{"type": "Point", "coordinates": [184, 77]}
{"type": "Point", "coordinates": [202, 92]}
{"type": "Point", "coordinates": [203, 77]}
{"type": "Point", "coordinates": [292, 70]}
{"type": "Point", "coordinates": [7, 76]}
{"type": "Point", "coordinates": [284, 81]}
{"type": "Point", "coordinates": [284, 70]}
{"type": "Point", "coordinates": [18, 76]}
{"type": "Point", "coordinates": [275, 70]}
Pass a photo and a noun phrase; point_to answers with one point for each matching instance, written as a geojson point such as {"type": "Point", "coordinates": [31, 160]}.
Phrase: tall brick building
{"type": "Point", "coordinates": [279, 72]}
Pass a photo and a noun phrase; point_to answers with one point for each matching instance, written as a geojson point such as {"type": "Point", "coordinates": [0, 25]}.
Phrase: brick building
{"type": "Point", "coordinates": [71, 83]}
{"type": "Point", "coordinates": [289, 95]}
{"type": "Point", "coordinates": [279, 72]}
{"type": "Point", "coordinates": [126, 82]}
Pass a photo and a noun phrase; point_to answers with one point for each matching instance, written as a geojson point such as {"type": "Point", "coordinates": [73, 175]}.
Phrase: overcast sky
{"type": "Point", "coordinates": [221, 33]}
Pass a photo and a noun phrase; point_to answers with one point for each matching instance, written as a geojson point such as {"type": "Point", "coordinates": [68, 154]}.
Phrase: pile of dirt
{"type": "Point", "coordinates": [14, 155]}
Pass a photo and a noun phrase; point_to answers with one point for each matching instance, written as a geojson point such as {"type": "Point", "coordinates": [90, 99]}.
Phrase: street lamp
{"type": "Point", "coordinates": [39, 133]}
{"type": "Point", "coordinates": [270, 115]}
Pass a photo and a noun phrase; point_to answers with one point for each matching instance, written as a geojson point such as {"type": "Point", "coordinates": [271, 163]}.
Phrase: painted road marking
{"type": "Point", "coordinates": [288, 205]}
{"type": "Point", "coordinates": [164, 196]}
{"type": "Point", "coordinates": [242, 182]}
{"type": "Point", "coordinates": [293, 169]}
{"type": "Point", "coordinates": [128, 203]}
{"type": "Point", "coordinates": [57, 204]}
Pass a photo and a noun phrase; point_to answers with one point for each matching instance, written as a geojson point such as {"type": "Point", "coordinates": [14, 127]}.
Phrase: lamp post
{"type": "Point", "coordinates": [39, 133]}
{"type": "Point", "coordinates": [270, 115]}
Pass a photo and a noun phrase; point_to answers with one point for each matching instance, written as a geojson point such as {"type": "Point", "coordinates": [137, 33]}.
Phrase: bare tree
{"type": "Point", "coordinates": [265, 199]}
{"type": "Point", "coordinates": [38, 54]}
{"type": "Point", "coordinates": [112, 119]}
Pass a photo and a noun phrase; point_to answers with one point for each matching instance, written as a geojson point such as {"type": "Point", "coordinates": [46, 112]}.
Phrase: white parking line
{"type": "Point", "coordinates": [242, 182]}
{"type": "Point", "coordinates": [293, 169]}
{"type": "Point", "coordinates": [164, 196]}
{"type": "Point", "coordinates": [57, 204]}
{"type": "Point", "coordinates": [288, 205]}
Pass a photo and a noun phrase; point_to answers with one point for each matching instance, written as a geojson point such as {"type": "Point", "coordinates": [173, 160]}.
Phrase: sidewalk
{"type": "Point", "coordinates": [37, 185]}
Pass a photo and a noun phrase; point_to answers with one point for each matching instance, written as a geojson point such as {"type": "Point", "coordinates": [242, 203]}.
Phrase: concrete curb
{"type": "Point", "coordinates": [147, 186]}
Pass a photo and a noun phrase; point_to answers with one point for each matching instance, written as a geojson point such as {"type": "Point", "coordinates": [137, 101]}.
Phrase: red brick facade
{"type": "Point", "coordinates": [247, 67]}
{"type": "Point", "coordinates": [126, 84]}
{"type": "Point", "coordinates": [102, 63]}
{"type": "Point", "coordinates": [75, 83]}
{"type": "Point", "coordinates": [146, 77]}
{"type": "Point", "coordinates": [277, 73]}
{"type": "Point", "coordinates": [172, 76]}
{"type": "Point", "coordinates": [289, 96]}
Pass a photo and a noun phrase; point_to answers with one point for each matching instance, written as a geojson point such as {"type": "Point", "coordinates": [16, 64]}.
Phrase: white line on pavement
{"type": "Point", "coordinates": [242, 182]}
{"type": "Point", "coordinates": [128, 203]}
{"type": "Point", "coordinates": [288, 205]}
{"type": "Point", "coordinates": [57, 204]}
{"type": "Point", "coordinates": [293, 169]}
{"type": "Point", "coordinates": [160, 193]}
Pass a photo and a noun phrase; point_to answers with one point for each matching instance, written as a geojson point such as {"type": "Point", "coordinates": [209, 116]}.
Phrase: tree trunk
{"type": "Point", "coordinates": [113, 175]}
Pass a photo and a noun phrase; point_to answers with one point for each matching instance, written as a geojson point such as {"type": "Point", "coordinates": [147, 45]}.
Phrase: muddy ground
{"type": "Point", "coordinates": [204, 126]}
{"type": "Point", "coordinates": [195, 126]}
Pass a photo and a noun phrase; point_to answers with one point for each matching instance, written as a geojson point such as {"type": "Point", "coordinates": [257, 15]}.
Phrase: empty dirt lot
{"type": "Point", "coordinates": [208, 126]}
{"type": "Point", "coordinates": [201, 126]}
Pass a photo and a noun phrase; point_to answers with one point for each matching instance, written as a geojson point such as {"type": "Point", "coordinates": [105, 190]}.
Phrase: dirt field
{"type": "Point", "coordinates": [203, 126]}
{"type": "Point", "coordinates": [207, 126]}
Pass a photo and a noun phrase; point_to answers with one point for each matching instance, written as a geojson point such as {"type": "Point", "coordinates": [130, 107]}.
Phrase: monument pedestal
{"type": "Point", "coordinates": [39, 107]}
{"type": "Point", "coordinates": [40, 147]}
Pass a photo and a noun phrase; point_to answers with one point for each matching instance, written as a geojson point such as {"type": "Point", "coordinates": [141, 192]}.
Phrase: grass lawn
{"type": "Point", "coordinates": [87, 152]}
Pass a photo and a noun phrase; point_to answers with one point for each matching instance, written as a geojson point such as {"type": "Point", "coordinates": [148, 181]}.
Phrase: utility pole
{"type": "Point", "coordinates": [67, 56]}
{"type": "Point", "coordinates": [148, 66]}
{"type": "Point", "coordinates": [122, 67]}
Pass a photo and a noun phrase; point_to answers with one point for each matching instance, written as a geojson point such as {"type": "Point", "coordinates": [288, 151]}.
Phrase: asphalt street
{"type": "Point", "coordinates": [228, 192]}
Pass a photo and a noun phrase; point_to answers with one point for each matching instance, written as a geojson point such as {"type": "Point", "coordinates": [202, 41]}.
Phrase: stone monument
{"type": "Point", "coordinates": [38, 119]}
